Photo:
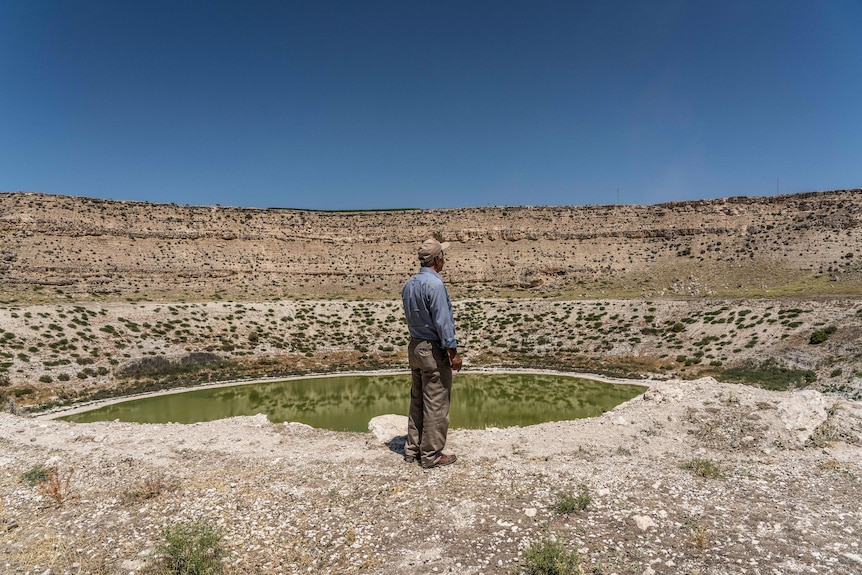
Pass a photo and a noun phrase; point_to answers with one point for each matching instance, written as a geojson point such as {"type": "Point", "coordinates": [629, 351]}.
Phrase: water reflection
{"type": "Point", "coordinates": [347, 403]}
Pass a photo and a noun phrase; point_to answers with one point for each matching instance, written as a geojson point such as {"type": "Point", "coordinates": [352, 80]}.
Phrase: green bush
{"type": "Point", "coordinates": [821, 335]}
{"type": "Point", "coordinates": [35, 475]}
{"type": "Point", "coordinates": [567, 502]}
{"type": "Point", "coordinates": [191, 548]}
{"type": "Point", "coordinates": [768, 375]}
{"type": "Point", "coordinates": [703, 468]}
{"type": "Point", "coordinates": [548, 557]}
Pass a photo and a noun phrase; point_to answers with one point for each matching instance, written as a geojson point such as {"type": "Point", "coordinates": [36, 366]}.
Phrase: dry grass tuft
{"type": "Point", "coordinates": [148, 488]}
{"type": "Point", "coordinates": [57, 485]}
{"type": "Point", "coordinates": [52, 553]}
{"type": "Point", "coordinates": [6, 524]}
{"type": "Point", "coordinates": [703, 468]}
{"type": "Point", "coordinates": [700, 537]}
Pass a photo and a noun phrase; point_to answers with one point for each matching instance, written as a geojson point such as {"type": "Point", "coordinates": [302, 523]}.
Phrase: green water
{"type": "Point", "coordinates": [347, 403]}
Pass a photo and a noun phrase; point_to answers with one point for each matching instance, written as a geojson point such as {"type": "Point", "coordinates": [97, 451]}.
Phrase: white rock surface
{"type": "Point", "coordinates": [643, 522]}
{"type": "Point", "coordinates": [802, 412]}
{"type": "Point", "coordinates": [387, 427]}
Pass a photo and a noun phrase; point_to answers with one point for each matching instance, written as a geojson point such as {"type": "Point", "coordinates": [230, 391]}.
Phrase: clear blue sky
{"type": "Point", "coordinates": [369, 104]}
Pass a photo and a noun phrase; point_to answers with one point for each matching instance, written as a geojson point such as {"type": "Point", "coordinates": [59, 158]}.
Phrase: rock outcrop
{"type": "Point", "coordinates": [89, 247]}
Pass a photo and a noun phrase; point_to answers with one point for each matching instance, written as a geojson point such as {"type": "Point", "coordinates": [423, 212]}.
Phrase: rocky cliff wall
{"type": "Point", "coordinates": [86, 247]}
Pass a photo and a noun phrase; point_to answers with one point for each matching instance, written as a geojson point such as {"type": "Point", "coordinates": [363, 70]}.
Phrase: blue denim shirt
{"type": "Point", "coordinates": [428, 309]}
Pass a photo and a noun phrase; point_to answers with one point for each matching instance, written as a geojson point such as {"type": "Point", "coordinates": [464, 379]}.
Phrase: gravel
{"type": "Point", "coordinates": [292, 499]}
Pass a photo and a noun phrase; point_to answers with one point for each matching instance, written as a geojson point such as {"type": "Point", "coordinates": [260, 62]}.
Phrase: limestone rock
{"type": "Point", "coordinates": [671, 391]}
{"type": "Point", "coordinates": [643, 522]}
{"type": "Point", "coordinates": [802, 412]}
{"type": "Point", "coordinates": [387, 427]}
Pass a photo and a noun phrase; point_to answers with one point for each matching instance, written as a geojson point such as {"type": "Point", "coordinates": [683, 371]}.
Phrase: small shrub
{"type": "Point", "coordinates": [700, 536]}
{"type": "Point", "coordinates": [56, 485]}
{"type": "Point", "coordinates": [149, 488]}
{"type": "Point", "coordinates": [146, 366]}
{"type": "Point", "coordinates": [548, 557]}
{"type": "Point", "coordinates": [34, 475]}
{"type": "Point", "coordinates": [821, 335]}
{"type": "Point", "coordinates": [703, 468]}
{"type": "Point", "coordinates": [198, 359]}
{"type": "Point", "coordinates": [567, 503]}
{"type": "Point", "coordinates": [191, 548]}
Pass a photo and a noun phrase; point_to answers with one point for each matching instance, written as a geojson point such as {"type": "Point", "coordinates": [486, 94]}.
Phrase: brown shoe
{"type": "Point", "coordinates": [443, 460]}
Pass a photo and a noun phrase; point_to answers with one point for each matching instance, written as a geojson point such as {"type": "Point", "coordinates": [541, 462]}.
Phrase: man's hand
{"type": "Point", "coordinates": [455, 359]}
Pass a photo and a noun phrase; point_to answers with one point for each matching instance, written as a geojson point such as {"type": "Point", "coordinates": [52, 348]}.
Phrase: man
{"type": "Point", "coordinates": [433, 354]}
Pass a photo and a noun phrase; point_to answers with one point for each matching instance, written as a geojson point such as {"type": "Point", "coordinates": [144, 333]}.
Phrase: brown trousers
{"type": "Point", "coordinates": [428, 422]}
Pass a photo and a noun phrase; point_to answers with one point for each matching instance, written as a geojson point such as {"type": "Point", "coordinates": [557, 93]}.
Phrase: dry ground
{"type": "Point", "coordinates": [291, 499]}
{"type": "Point", "coordinates": [90, 288]}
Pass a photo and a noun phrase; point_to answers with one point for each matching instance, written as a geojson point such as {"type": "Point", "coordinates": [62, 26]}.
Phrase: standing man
{"type": "Point", "coordinates": [433, 354]}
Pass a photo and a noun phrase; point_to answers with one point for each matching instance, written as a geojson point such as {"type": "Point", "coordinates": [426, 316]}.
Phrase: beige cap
{"type": "Point", "coordinates": [430, 249]}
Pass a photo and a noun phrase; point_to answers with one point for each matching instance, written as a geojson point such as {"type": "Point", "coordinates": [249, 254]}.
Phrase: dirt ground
{"type": "Point", "coordinates": [696, 477]}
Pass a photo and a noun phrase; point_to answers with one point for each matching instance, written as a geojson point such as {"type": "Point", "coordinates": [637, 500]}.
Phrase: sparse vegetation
{"type": "Point", "coordinates": [548, 556]}
{"type": "Point", "coordinates": [190, 548]}
{"type": "Point", "coordinates": [699, 535]}
{"type": "Point", "coordinates": [56, 485]}
{"type": "Point", "coordinates": [703, 468]}
{"type": "Point", "coordinates": [614, 306]}
{"type": "Point", "coordinates": [35, 475]}
{"type": "Point", "coordinates": [181, 344]}
{"type": "Point", "coordinates": [569, 503]}
{"type": "Point", "coordinates": [148, 488]}
{"type": "Point", "coordinates": [768, 375]}
{"type": "Point", "coordinates": [821, 335]}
